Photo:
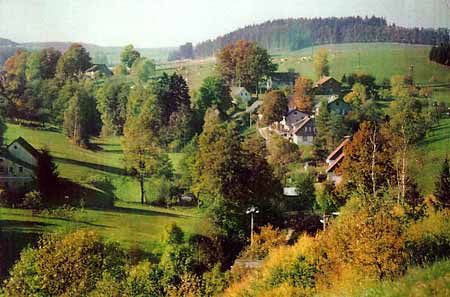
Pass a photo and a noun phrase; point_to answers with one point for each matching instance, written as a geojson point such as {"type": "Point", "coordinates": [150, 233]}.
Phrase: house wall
{"type": "Point", "coordinates": [16, 150]}
{"type": "Point", "coordinates": [303, 140]}
{"type": "Point", "coordinates": [328, 88]}
{"type": "Point", "coordinates": [337, 179]}
{"type": "Point", "coordinates": [14, 176]}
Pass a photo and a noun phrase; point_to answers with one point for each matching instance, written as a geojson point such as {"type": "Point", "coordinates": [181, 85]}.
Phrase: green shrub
{"type": "Point", "coordinates": [32, 200]}
{"type": "Point", "coordinates": [144, 280]}
{"type": "Point", "coordinates": [67, 265]}
{"type": "Point", "coordinates": [173, 234]}
{"type": "Point", "coordinates": [429, 238]}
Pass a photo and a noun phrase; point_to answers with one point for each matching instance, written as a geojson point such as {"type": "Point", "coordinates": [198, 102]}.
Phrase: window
{"type": "Point", "coordinates": [11, 169]}
{"type": "Point", "coordinates": [20, 169]}
{"type": "Point", "coordinates": [1, 160]}
{"type": "Point", "coordinates": [15, 147]}
{"type": "Point", "coordinates": [2, 169]}
{"type": "Point", "coordinates": [305, 138]}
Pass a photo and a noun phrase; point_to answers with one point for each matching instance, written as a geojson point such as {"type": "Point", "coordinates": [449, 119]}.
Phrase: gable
{"type": "Point", "coordinates": [21, 150]}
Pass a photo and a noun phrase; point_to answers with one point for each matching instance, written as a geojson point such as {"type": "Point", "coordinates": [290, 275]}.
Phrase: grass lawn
{"type": "Point", "coordinates": [81, 165]}
{"type": "Point", "coordinates": [427, 159]}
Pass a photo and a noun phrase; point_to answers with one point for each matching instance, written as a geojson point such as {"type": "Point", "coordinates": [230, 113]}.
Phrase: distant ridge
{"type": "Point", "coordinates": [294, 34]}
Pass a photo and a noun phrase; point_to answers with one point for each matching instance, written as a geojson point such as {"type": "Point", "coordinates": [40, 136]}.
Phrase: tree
{"type": "Point", "coordinates": [442, 189]}
{"type": "Point", "coordinates": [367, 167]}
{"type": "Point", "coordinates": [47, 180]}
{"type": "Point", "coordinates": [143, 69]}
{"type": "Point", "coordinates": [73, 62]}
{"type": "Point", "coordinates": [304, 183]}
{"type": "Point", "coordinates": [244, 63]}
{"type": "Point", "coordinates": [129, 55]}
{"type": "Point", "coordinates": [357, 96]}
{"type": "Point", "coordinates": [141, 142]}
{"type": "Point", "coordinates": [213, 93]}
{"type": "Point", "coordinates": [173, 234]}
{"type": "Point", "coordinates": [281, 154]}
{"type": "Point", "coordinates": [321, 64]}
{"type": "Point", "coordinates": [302, 98]}
{"type": "Point", "coordinates": [112, 100]}
{"type": "Point", "coordinates": [48, 62]}
{"type": "Point", "coordinates": [80, 118]}
{"type": "Point", "coordinates": [33, 67]}
{"type": "Point", "coordinates": [274, 107]}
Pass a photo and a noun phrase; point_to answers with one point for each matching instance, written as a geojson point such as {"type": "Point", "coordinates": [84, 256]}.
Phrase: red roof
{"type": "Point", "coordinates": [334, 153]}
{"type": "Point", "coordinates": [335, 163]}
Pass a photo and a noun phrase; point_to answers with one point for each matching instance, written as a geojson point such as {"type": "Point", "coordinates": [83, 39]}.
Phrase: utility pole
{"type": "Point", "coordinates": [251, 210]}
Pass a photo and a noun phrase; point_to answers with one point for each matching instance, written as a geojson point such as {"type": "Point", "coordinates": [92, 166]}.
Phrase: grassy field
{"type": "Point", "coordinates": [383, 60]}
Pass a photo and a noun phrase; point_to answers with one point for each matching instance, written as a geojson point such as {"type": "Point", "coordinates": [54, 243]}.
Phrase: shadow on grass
{"type": "Point", "coordinates": [145, 212]}
{"type": "Point", "coordinates": [95, 197]}
{"type": "Point", "coordinates": [105, 168]}
{"type": "Point", "coordinates": [11, 244]}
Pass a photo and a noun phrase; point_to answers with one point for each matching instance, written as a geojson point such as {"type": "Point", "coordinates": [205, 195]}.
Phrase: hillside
{"type": "Point", "coordinates": [298, 33]}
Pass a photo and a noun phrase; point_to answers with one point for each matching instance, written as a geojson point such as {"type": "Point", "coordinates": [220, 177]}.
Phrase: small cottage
{"type": "Point", "coordinates": [18, 162]}
{"type": "Point", "coordinates": [292, 117]}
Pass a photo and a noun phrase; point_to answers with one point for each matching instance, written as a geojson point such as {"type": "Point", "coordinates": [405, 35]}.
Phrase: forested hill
{"type": "Point", "coordinates": [293, 34]}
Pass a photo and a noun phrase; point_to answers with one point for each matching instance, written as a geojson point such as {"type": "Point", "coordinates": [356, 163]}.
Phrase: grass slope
{"type": "Point", "coordinates": [80, 165]}
{"type": "Point", "coordinates": [428, 281]}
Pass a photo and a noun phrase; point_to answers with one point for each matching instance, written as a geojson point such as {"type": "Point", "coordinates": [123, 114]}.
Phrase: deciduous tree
{"type": "Point", "coordinates": [302, 98]}
{"type": "Point", "coordinates": [274, 107]}
{"type": "Point", "coordinates": [321, 64]}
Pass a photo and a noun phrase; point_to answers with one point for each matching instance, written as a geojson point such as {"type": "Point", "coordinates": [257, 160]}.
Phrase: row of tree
{"type": "Point", "coordinates": [299, 33]}
{"type": "Point", "coordinates": [441, 54]}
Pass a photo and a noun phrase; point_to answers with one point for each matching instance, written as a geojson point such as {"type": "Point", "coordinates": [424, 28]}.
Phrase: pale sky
{"type": "Point", "coordinates": [151, 23]}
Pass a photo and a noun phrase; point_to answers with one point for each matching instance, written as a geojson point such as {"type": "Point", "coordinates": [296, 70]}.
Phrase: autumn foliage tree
{"type": "Point", "coordinates": [302, 98]}
{"type": "Point", "coordinates": [274, 107]}
{"type": "Point", "coordinates": [321, 64]}
{"type": "Point", "coordinates": [367, 167]}
{"type": "Point", "coordinates": [244, 63]}
{"type": "Point", "coordinates": [73, 62]}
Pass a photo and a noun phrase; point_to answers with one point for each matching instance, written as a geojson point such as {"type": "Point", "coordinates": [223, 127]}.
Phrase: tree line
{"type": "Point", "coordinates": [294, 34]}
{"type": "Point", "coordinates": [440, 54]}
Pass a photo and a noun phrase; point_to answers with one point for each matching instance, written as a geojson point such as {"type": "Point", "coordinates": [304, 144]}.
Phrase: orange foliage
{"type": "Point", "coordinates": [302, 98]}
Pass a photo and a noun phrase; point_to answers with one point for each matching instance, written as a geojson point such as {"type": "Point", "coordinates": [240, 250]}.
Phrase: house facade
{"type": "Point", "coordinates": [18, 162]}
{"type": "Point", "coordinates": [303, 133]}
{"type": "Point", "coordinates": [293, 117]}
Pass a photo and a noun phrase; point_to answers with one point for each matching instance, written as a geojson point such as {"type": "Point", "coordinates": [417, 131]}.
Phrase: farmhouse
{"type": "Point", "coordinates": [327, 86]}
{"type": "Point", "coordinates": [335, 159]}
{"type": "Point", "coordinates": [281, 79]}
{"type": "Point", "coordinates": [98, 70]}
{"type": "Point", "coordinates": [18, 161]}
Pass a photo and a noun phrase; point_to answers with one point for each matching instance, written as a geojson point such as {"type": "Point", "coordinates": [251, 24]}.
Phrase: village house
{"type": "Point", "coordinates": [293, 116]}
{"type": "Point", "coordinates": [327, 86]}
{"type": "Point", "coordinates": [18, 161]}
{"type": "Point", "coordinates": [281, 79]}
{"type": "Point", "coordinates": [240, 95]}
{"type": "Point", "coordinates": [98, 71]}
{"type": "Point", "coordinates": [303, 133]}
{"type": "Point", "coordinates": [335, 159]}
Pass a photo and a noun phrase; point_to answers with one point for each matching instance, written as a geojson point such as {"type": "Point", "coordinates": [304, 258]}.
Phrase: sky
{"type": "Point", "coordinates": [166, 23]}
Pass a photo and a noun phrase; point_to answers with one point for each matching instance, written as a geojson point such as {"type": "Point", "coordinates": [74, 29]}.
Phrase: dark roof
{"type": "Point", "coordinates": [100, 67]}
{"type": "Point", "coordinates": [26, 145]}
{"type": "Point", "coordinates": [284, 76]}
{"type": "Point", "coordinates": [302, 124]}
{"type": "Point", "coordinates": [325, 79]}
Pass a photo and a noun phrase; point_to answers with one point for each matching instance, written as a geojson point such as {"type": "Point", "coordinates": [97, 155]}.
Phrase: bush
{"type": "Point", "coordinates": [162, 190]}
{"type": "Point", "coordinates": [429, 238]}
{"type": "Point", "coordinates": [173, 234]}
{"type": "Point", "coordinates": [67, 265]}
{"type": "Point", "coordinates": [144, 280]}
{"type": "Point", "coordinates": [268, 238]}
{"type": "Point", "coordinates": [32, 200]}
